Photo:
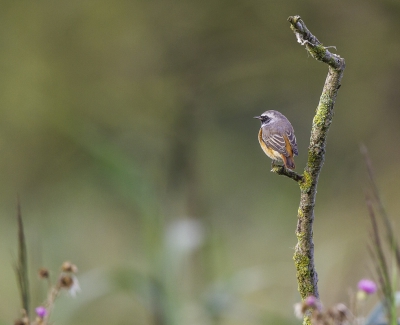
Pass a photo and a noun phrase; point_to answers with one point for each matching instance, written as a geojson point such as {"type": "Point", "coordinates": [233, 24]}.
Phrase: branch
{"type": "Point", "coordinates": [282, 170]}
{"type": "Point", "coordinates": [313, 45]}
{"type": "Point", "coordinates": [307, 277]}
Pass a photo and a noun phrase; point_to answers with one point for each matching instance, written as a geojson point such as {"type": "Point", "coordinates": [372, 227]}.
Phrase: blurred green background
{"type": "Point", "coordinates": [126, 128]}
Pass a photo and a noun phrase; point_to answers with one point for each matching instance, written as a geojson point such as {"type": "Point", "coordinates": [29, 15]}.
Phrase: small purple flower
{"type": "Point", "coordinates": [368, 286]}
{"type": "Point", "coordinates": [311, 301]}
{"type": "Point", "coordinates": [41, 312]}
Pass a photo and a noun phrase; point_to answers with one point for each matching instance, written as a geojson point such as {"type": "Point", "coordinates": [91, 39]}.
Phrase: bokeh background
{"type": "Point", "coordinates": [126, 129]}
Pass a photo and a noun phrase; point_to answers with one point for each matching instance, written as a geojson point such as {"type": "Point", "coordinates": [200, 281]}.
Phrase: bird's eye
{"type": "Point", "coordinates": [265, 119]}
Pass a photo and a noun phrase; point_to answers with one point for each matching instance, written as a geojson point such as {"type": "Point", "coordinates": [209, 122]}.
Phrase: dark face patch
{"type": "Point", "coordinates": [265, 120]}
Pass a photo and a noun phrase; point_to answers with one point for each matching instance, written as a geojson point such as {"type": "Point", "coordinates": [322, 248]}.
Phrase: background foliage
{"type": "Point", "coordinates": [127, 125]}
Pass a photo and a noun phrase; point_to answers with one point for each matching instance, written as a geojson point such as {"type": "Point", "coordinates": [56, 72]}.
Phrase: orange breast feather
{"type": "Point", "coordinates": [271, 153]}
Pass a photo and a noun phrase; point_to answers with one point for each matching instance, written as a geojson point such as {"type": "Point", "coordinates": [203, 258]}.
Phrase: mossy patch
{"type": "Point", "coordinates": [321, 117]}
{"type": "Point", "coordinates": [304, 280]}
{"type": "Point", "coordinates": [300, 213]}
{"type": "Point", "coordinates": [318, 51]}
{"type": "Point", "coordinates": [305, 185]}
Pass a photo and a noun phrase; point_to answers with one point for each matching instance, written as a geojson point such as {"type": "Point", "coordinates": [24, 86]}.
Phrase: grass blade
{"type": "Point", "coordinates": [21, 267]}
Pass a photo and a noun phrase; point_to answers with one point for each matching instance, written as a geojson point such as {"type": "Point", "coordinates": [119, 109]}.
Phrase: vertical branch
{"type": "Point", "coordinates": [304, 252]}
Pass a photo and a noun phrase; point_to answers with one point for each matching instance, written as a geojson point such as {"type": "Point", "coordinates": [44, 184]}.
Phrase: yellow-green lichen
{"type": "Point", "coordinates": [325, 103]}
{"type": "Point", "coordinates": [305, 284]}
{"type": "Point", "coordinates": [300, 237]}
{"type": "Point", "coordinates": [307, 320]}
{"type": "Point", "coordinates": [275, 169]}
{"type": "Point", "coordinates": [318, 51]}
{"type": "Point", "coordinates": [312, 158]}
{"type": "Point", "coordinates": [326, 100]}
{"type": "Point", "coordinates": [319, 118]}
{"type": "Point", "coordinates": [305, 184]}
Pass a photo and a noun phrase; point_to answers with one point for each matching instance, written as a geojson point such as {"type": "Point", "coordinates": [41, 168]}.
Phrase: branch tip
{"type": "Point", "coordinates": [313, 45]}
{"type": "Point", "coordinates": [282, 170]}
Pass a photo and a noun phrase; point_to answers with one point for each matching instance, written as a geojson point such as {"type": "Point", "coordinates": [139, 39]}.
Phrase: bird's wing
{"type": "Point", "coordinates": [275, 141]}
{"type": "Point", "coordinates": [292, 140]}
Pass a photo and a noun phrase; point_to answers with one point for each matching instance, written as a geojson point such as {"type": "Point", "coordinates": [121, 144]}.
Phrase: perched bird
{"type": "Point", "coordinates": [277, 139]}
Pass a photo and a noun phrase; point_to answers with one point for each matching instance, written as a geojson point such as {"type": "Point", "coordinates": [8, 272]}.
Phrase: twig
{"type": "Point", "coordinates": [282, 170]}
{"type": "Point", "coordinates": [307, 278]}
{"type": "Point", "coordinates": [313, 45]}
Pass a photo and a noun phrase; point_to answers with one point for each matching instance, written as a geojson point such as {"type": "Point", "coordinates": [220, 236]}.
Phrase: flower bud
{"type": "Point", "coordinates": [41, 312]}
{"type": "Point", "coordinates": [367, 286]}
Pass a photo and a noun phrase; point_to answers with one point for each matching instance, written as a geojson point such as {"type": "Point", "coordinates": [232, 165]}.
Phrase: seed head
{"type": "Point", "coordinates": [44, 273]}
{"type": "Point", "coordinates": [69, 267]}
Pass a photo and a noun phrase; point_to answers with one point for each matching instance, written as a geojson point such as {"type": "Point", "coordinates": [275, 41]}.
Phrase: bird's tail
{"type": "Point", "coordinates": [289, 162]}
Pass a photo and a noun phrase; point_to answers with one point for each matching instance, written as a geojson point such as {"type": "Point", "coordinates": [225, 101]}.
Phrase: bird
{"type": "Point", "coordinates": [277, 139]}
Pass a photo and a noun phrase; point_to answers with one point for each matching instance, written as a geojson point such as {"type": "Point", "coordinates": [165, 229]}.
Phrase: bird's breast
{"type": "Point", "coordinates": [271, 153]}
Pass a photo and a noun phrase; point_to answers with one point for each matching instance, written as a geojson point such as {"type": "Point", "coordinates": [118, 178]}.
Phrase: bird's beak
{"type": "Point", "coordinates": [257, 117]}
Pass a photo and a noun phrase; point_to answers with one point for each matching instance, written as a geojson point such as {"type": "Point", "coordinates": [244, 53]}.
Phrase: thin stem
{"type": "Point", "coordinates": [389, 229]}
{"type": "Point", "coordinates": [21, 267]}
